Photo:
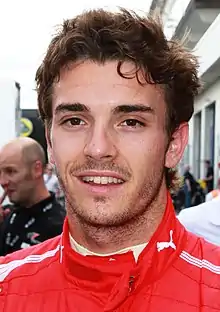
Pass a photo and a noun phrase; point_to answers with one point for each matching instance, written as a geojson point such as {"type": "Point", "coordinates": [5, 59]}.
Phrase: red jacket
{"type": "Point", "coordinates": [176, 272]}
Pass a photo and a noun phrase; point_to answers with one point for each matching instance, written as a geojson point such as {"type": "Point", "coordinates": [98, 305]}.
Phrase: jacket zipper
{"type": "Point", "coordinates": [131, 283]}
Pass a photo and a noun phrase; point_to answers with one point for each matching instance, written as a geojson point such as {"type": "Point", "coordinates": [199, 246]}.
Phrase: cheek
{"type": "Point", "coordinates": [65, 144]}
{"type": "Point", "coordinates": [17, 180]}
{"type": "Point", "coordinates": [146, 152]}
{"type": "Point", "coordinates": [66, 148]}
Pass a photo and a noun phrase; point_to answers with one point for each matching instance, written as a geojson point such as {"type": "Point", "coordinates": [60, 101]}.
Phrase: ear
{"type": "Point", "coordinates": [177, 146]}
{"type": "Point", "coordinates": [38, 169]}
{"type": "Point", "coordinates": [49, 145]}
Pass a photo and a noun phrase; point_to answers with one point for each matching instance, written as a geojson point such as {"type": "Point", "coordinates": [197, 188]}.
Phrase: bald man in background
{"type": "Point", "coordinates": [35, 214]}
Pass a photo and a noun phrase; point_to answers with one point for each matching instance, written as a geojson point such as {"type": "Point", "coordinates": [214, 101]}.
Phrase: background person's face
{"type": "Point", "coordinates": [49, 169]}
{"type": "Point", "coordinates": [110, 126]}
{"type": "Point", "coordinates": [16, 178]}
{"type": "Point", "coordinates": [207, 165]}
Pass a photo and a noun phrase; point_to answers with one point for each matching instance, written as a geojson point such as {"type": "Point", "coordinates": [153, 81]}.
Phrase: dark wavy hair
{"type": "Point", "coordinates": [102, 36]}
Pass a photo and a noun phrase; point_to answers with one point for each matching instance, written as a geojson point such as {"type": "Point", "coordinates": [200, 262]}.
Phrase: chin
{"type": "Point", "coordinates": [100, 213]}
{"type": "Point", "coordinates": [103, 221]}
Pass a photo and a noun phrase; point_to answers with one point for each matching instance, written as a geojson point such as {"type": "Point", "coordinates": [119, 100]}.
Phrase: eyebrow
{"type": "Point", "coordinates": [128, 108]}
{"type": "Point", "coordinates": [133, 109]}
{"type": "Point", "coordinates": [71, 107]}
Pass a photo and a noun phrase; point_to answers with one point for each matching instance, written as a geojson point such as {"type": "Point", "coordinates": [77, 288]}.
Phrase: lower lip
{"type": "Point", "coordinates": [100, 188]}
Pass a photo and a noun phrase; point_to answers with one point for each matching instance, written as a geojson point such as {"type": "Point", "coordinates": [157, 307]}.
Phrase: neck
{"type": "Point", "coordinates": [40, 193]}
{"type": "Point", "coordinates": [105, 240]}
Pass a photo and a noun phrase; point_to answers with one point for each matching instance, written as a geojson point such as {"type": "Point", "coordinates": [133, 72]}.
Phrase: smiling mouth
{"type": "Point", "coordinates": [101, 180]}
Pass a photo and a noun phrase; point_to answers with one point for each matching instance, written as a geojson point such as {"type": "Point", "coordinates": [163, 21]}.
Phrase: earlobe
{"type": "Point", "coordinates": [177, 146]}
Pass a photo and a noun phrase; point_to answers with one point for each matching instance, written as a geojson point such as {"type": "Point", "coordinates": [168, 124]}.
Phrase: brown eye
{"type": "Point", "coordinates": [75, 121]}
{"type": "Point", "coordinates": [134, 123]}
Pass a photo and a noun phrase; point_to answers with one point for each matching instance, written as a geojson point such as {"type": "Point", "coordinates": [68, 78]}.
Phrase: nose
{"type": "Point", "coordinates": [3, 180]}
{"type": "Point", "coordinates": [100, 145]}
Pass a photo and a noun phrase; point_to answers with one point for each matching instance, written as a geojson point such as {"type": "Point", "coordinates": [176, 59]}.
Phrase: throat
{"type": "Point", "coordinates": [104, 240]}
{"type": "Point", "coordinates": [102, 237]}
{"type": "Point", "coordinates": [38, 197]}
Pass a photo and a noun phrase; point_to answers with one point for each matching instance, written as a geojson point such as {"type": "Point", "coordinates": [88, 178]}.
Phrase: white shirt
{"type": "Point", "coordinates": [137, 250]}
{"type": "Point", "coordinates": [203, 220]}
{"type": "Point", "coordinates": [212, 195]}
{"type": "Point", "coordinates": [52, 183]}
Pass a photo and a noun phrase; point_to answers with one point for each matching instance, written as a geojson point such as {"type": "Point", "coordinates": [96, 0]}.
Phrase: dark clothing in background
{"type": "Point", "coordinates": [195, 196]}
{"type": "Point", "coordinates": [25, 227]}
{"type": "Point", "coordinates": [210, 184]}
{"type": "Point", "coordinates": [187, 192]}
{"type": "Point", "coordinates": [193, 183]}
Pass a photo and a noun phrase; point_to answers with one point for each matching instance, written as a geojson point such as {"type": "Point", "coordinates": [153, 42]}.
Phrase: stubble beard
{"type": "Point", "coordinates": [134, 212]}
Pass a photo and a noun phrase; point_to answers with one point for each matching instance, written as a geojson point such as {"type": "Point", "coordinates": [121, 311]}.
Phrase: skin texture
{"type": "Point", "coordinates": [21, 172]}
{"type": "Point", "coordinates": [103, 138]}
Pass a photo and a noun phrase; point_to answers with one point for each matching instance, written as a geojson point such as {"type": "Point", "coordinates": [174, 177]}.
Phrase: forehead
{"type": "Point", "coordinates": [94, 84]}
{"type": "Point", "coordinates": [10, 156]}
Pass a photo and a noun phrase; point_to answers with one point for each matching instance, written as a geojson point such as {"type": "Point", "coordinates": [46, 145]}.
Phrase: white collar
{"type": "Point", "coordinates": [137, 250]}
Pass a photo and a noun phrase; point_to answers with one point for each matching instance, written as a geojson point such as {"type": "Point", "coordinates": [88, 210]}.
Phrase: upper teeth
{"type": "Point", "coordinates": [102, 180]}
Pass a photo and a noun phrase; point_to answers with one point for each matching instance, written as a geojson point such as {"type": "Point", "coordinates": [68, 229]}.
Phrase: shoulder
{"type": "Point", "coordinates": [191, 217]}
{"type": "Point", "coordinates": [203, 220]}
{"type": "Point", "coordinates": [29, 261]}
{"type": "Point", "coordinates": [200, 262]}
{"type": "Point", "coordinates": [201, 212]}
{"type": "Point", "coordinates": [201, 253]}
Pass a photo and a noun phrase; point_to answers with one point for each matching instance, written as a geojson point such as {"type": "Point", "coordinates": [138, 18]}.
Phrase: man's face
{"type": "Point", "coordinates": [108, 142]}
{"type": "Point", "coordinates": [15, 177]}
{"type": "Point", "coordinates": [49, 170]}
